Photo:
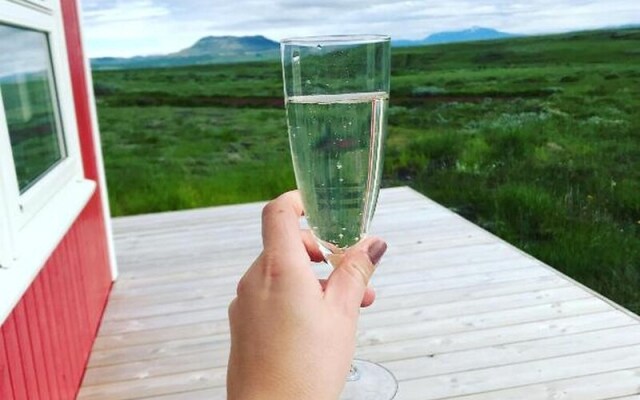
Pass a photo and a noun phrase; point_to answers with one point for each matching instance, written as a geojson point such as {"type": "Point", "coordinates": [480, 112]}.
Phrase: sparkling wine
{"type": "Point", "coordinates": [336, 146]}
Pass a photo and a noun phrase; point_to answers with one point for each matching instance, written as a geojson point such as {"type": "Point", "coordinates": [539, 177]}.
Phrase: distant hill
{"type": "Point", "coordinates": [468, 35]}
{"type": "Point", "coordinates": [229, 46]}
{"type": "Point", "coordinates": [229, 49]}
{"type": "Point", "coordinates": [208, 50]}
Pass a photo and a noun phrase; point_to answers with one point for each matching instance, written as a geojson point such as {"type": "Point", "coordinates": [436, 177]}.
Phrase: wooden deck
{"type": "Point", "coordinates": [460, 314]}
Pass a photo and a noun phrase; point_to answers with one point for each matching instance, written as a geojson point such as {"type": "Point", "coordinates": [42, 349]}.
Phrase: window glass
{"type": "Point", "coordinates": [30, 103]}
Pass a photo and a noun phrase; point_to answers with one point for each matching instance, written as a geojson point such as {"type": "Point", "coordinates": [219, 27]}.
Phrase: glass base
{"type": "Point", "coordinates": [369, 381]}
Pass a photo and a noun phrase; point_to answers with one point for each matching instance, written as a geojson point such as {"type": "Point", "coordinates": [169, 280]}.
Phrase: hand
{"type": "Point", "coordinates": [293, 337]}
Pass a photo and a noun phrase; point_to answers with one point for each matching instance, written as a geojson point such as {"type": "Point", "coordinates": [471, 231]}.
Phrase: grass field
{"type": "Point", "coordinates": [535, 139]}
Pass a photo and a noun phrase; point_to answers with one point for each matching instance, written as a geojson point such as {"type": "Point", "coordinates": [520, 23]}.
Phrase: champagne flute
{"type": "Point", "coordinates": [336, 96]}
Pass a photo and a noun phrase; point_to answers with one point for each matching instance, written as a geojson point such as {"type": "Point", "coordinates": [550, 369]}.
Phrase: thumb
{"type": "Point", "coordinates": [347, 283]}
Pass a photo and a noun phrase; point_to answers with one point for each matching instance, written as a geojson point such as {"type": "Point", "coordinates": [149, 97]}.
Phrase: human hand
{"type": "Point", "coordinates": [293, 337]}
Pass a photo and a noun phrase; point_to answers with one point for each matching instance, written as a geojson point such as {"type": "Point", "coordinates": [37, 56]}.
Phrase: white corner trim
{"type": "Point", "coordinates": [38, 240]}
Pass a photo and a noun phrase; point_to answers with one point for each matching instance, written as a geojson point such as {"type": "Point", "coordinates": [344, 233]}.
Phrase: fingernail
{"type": "Point", "coordinates": [376, 250]}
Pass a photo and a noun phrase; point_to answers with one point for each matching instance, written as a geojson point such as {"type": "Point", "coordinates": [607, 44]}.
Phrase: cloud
{"type": "Point", "coordinates": [22, 51]}
{"type": "Point", "coordinates": [132, 11]}
{"type": "Point", "coordinates": [140, 27]}
{"type": "Point", "coordinates": [143, 27]}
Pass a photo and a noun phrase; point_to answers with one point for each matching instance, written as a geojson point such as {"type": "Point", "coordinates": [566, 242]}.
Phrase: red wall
{"type": "Point", "coordinates": [46, 341]}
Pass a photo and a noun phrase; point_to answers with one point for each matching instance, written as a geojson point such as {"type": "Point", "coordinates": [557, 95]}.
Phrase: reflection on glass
{"type": "Point", "coordinates": [30, 104]}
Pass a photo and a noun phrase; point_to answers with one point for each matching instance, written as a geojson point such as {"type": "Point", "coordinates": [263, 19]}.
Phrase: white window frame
{"type": "Point", "coordinates": [33, 223]}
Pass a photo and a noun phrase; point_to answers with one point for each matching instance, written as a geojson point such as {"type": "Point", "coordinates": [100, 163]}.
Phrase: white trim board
{"type": "Point", "coordinates": [33, 223]}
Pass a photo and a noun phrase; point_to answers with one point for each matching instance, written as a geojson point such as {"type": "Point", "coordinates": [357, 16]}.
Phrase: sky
{"type": "Point", "coordinates": [22, 51]}
{"type": "Point", "coordinates": [124, 28]}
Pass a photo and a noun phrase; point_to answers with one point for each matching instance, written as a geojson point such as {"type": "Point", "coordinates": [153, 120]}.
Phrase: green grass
{"type": "Point", "coordinates": [535, 139]}
{"type": "Point", "coordinates": [167, 158]}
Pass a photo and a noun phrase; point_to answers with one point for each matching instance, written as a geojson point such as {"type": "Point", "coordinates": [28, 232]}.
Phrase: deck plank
{"type": "Point", "coordinates": [535, 372]}
{"type": "Point", "coordinates": [460, 313]}
{"type": "Point", "coordinates": [430, 345]}
{"type": "Point", "coordinates": [590, 387]}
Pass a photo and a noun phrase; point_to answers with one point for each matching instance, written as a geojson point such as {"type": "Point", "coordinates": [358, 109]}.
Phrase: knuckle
{"type": "Point", "coordinates": [248, 279]}
{"type": "Point", "coordinates": [360, 271]}
{"type": "Point", "coordinates": [232, 307]}
{"type": "Point", "coordinates": [288, 201]}
{"type": "Point", "coordinates": [269, 209]}
{"type": "Point", "coordinates": [270, 265]}
{"type": "Point", "coordinates": [242, 286]}
{"type": "Point", "coordinates": [275, 206]}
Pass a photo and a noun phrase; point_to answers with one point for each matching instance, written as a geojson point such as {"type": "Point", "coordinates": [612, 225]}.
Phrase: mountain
{"type": "Point", "coordinates": [208, 50]}
{"type": "Point", "coordinates": [467, 35]}
{"type": "Point", "coordinates": [229, 46]}
{"type": "Point", "coordinates": [230, 49]}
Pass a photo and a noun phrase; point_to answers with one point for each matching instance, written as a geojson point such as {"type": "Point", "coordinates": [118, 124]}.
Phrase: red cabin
{"type": "Point", "coordinates": [56, 255]}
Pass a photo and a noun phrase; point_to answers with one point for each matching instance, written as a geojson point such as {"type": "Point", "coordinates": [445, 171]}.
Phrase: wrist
{"type": "Point", "coordinates": [282, 390]}
{"type": "Point", "coordinates": [266, 394]}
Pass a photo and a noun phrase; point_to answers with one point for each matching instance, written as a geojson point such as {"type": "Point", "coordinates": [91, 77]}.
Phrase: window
{"type": "Point", "coordinates": [42, 186]}
{"type": "Point", "coordinates": [30, 103]}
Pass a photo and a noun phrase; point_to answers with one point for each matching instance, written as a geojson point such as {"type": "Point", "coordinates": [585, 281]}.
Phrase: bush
{"type": "Point", "coordinates": [526, 212]}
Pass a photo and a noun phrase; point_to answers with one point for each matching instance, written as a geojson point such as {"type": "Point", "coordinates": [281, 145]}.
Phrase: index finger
{"type": "Point", "coordinates": [281, 224]}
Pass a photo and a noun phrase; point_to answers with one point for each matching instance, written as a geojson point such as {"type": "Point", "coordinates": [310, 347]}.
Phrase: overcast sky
{"type": "Point", "coordinates": [22, 51]}
{"type": "Point", "coordinates": [141, 27]}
